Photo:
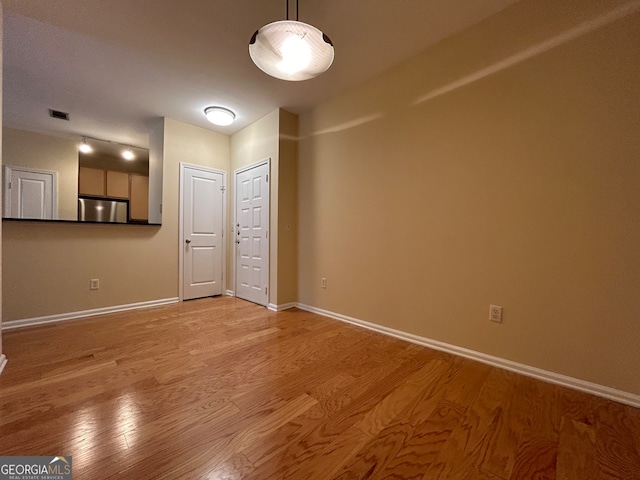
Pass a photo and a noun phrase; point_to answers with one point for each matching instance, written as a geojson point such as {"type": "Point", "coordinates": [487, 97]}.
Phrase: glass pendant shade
{"type": "Point", "coordinates": [291, 50]}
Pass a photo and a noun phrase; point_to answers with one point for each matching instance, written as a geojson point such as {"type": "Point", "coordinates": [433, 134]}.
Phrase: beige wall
{"type": "Point", "coordinates": [288, 209]}
{"type": "Point", "coordinates": [1, 37]}
{"type": "Point", "coordinates": [498, 167]}
{"type": "Point", "coordinates": [256, 142]}
{"type": "Point", "coordinates": [194, 145]}
{"type": "Point", "coordinates": [48, 266]}
{"type": "Point", "coordinates": [274, 137]}
{"type": "Point", "coordinates": [423, 200]}
{"type": "Point", "coordinates": [45, 152]}
{"type": "Point", "coordinates": [156, 156]}
{"type": "Point", "coordinates": [252, 144]}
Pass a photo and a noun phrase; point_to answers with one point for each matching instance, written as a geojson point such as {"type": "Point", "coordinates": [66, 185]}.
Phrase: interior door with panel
{"type": "Point", "coordinates": [252, 233]}
{"type": "Point", "coordinates": [29, 193]}
{"type": "Point", "coordinates": [202, 232]}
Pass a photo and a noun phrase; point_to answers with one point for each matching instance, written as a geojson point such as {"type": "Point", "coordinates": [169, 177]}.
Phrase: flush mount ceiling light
{"type": "Point", "coordinates": [291, 50]}
{"type": "Point", "coordinates": [85, 147]}
{"type": "Point", "coordinates": [219, 116]}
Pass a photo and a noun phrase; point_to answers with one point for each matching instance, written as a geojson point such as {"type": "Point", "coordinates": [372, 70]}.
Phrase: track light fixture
{"type": "Point", "coordinates": [128, 154]}
{"type": "Point", "coordinates": [85, 147]}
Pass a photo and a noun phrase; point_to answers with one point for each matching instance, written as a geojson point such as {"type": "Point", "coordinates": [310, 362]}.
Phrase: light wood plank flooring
{"type": "Point", "coordinates": [223, 389]}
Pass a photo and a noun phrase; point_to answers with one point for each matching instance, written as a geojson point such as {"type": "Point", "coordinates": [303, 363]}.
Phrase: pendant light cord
{"type": "Point", "coordinates": [287, 10]}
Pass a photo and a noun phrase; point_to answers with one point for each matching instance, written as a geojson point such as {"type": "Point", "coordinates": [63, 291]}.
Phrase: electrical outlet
{"type": "Point", "coordinates": [94, 284]}
{"type": "Point", "coordinates": [323, 282]}
{"type": "Point", "coordinates": [495, 313]}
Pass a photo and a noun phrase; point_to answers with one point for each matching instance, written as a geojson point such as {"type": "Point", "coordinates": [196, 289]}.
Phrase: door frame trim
{"type": "Point", "coordinates": [203, 168]}
{"type": "Point", "coordinates": [251, 166]}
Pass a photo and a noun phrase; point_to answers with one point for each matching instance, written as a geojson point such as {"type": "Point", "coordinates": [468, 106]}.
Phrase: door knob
{"type": "Point", "coordinates": [188, 241]}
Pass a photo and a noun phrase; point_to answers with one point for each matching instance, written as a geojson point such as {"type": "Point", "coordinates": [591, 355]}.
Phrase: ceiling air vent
{"type": "Point", "coordinates": [59, 115]}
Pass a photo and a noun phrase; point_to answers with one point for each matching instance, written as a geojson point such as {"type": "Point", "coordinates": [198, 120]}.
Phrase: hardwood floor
{"type": "Point", "coordinates": [223, 389]}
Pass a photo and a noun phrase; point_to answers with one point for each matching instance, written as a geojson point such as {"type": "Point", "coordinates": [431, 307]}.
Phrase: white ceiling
{"type": "Point", "coordinates": [118, 65]}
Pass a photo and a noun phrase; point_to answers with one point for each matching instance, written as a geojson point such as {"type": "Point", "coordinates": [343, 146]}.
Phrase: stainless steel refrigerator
{"type": "Point", "coordinates": [98, 210]}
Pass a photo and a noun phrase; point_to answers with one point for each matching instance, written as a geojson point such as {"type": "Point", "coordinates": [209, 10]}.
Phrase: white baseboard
{"type": "Point", "coordinates": [230, 293]}
{"type": "Point", "coordinates": [544, 375]}
{"type": "Point", "coordinates": [287, 306]}
{"type": "Point", "coordinates": [29, 322]}
{"type": "Point", "coordinates": [278, 308]}
{"type": "Point", "coordinates": [3, 362]}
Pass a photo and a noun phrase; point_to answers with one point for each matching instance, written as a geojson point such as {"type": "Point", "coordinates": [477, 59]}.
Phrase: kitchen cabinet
{"type": "Point", "coordinates": [139, 198]}
{"type": "Point", "coordinates": [92, 182]}
{"type": "Point", "coordinates": [99, 183]}
{"type": "Point", "coordinates": [117, 184]}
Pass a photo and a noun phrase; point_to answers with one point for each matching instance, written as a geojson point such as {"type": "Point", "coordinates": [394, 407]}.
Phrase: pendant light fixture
{"type": "Point", "coordinates": [291, 50]}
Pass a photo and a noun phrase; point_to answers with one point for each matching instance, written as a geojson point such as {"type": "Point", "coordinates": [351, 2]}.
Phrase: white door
{"type": "Point", "coordinates": [202, 227]}
{"type": "Point", "coordinates": [252, 233]}
{"type": "Point", "coordinates": [29, 193]}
